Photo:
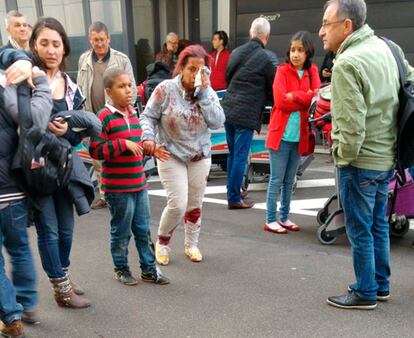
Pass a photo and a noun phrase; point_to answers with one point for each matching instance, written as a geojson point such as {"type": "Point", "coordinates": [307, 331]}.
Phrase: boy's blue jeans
{"type": "Point", "coordinates": [364, 197]}
{"type": "Point", "coordinates": [131, 214]}
{"type": "Point", "coordinates": [21, 295]}
{"type": "Point", "coordinates": [238, 142]}
{"type": "Point", "coordinates": [283, 167]}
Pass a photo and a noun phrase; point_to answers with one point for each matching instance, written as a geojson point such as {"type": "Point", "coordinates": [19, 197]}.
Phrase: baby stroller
{"type": "Point", "coordinates": [399, 211]}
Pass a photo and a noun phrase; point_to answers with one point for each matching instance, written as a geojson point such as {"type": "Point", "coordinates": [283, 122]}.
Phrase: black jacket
{"type": "Point", "coordinates": [9, 140]}
{"type": "Point", "coordinates": [157, 72]}
{"type": "Point", "coordinates": [250, 73]}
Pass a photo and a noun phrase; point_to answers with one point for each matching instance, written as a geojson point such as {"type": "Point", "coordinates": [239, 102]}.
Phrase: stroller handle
{"type": "Point", "coordinates": [326, 116]}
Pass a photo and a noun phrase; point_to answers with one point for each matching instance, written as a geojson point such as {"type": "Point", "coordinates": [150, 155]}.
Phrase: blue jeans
{"type": "Point", "coordinates": [22, 294]}
{"type": "Point", "coordinates": [364, 197]}
{"type": "Point", "coordinates": [283, 167]}
{"type": "Point", "coordinates": [411, 171]}
{"type": "Point", "coordinates": [130, 214]}
{"type": "Point", "coordinates": [54, 225]}
{"type": "Point", "coordinates": [239, 141]}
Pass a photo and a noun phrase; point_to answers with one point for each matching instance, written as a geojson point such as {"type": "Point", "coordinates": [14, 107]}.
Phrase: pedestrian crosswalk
{"type": "Point", "coordinates": [306, 207]}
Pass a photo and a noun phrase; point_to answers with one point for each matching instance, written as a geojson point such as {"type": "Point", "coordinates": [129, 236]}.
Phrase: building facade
{"type": "Point", "coordinates": [138, 27]}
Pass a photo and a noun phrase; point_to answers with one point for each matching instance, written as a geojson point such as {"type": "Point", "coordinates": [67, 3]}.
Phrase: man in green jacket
{"type": "Point", "coordinates": [365, 86]}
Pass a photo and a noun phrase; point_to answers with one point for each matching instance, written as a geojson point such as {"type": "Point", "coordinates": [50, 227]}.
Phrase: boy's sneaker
{"type": "Point", "coordinates": [125, 277]}
{"type": "Point", "coordinates": [193, 253]}
{"type": "Point", "coordinates": [154, 276]}
{"type": "Point", "coordinates": [162, 253]}
{"type": "Point", "coordinates": [12, 330]}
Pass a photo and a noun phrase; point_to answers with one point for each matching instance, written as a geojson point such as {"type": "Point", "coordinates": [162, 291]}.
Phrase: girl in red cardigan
{"type": "Point", "coordinates": [287, 138]}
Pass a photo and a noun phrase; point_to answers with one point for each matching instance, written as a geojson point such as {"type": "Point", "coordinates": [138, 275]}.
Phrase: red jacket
{"type": "Point", "coordinates": [218, 71]}
{"type": "Point", "coordinates": [287, 80]}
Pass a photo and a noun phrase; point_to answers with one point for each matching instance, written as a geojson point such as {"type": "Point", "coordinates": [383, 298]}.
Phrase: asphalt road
{"type": "Point", "coordinates": [251, 283]}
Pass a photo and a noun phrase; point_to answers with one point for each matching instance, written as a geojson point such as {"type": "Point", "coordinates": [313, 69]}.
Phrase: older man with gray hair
{"type": "Point", "coordinates": [249, 75]}
{"type": "Point", "coordinates": [365, 86]}
{"type": "Point", "coordinates": [18, 30]}
{"type": "Point", "coordinates": [168, 55]}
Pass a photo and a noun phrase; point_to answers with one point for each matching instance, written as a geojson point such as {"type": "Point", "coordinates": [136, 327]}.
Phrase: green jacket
{"type": "Point", "coordinates": [365, 85]}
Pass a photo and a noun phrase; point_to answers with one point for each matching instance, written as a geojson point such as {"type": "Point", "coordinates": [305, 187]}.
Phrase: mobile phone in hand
{"type": "Point", "coordinates": [63, 119]}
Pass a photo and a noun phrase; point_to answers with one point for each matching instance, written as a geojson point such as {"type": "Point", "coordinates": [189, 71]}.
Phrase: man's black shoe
{"type": "Point", "coordinates": [243, 204]}
{"type": "Point", "coordinates": [351, 301]}
{"type": "Point", "coordinates": [382, 296]}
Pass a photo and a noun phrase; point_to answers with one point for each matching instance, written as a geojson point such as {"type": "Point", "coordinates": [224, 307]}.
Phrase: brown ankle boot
{"type": "Point", "coordinates": [75, 286]}
{"type": "Point", "coordinates": [12, 330]}
{"type": "Point", "coordinates": [65, 296]}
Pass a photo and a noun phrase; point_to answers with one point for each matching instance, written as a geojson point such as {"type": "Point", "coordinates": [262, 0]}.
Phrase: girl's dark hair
{"type": "Point", "coordinates": [53, 24]}
{"type": "Point", "coordinates": [196, 51]}
{"type": "Point", "coordinates": [222, 36]}
{"type": "Point", "coordinates": [305, 38]}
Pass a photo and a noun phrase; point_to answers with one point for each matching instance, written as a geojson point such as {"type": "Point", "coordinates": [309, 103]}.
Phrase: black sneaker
{"type": "Point", "coordinates": [125, 277]}
{"type": "Point", "coordinates": [382, 296]}
{"type": "Point", "coordinates": [350, 300]}
{"type": "Point", "coordinates": [155, 277]}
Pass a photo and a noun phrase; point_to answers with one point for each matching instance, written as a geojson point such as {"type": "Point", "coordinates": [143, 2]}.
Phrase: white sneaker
{"type": "Point", "coordinates": [162, 253]}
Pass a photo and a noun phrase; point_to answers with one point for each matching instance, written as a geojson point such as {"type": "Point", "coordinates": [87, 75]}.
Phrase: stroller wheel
{"type": "Point", "coordinates": [322, 216]}
{"type": "Point", "coordinates": [399, 226]}
{"type": "Point", "coordinates": [247, 177]}
{"type": "Point", "coordinates": [324, 237]}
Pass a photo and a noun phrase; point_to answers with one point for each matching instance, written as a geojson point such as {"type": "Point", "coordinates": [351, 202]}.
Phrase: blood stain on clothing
{"type": "Point", "coordinates": [192, 216]}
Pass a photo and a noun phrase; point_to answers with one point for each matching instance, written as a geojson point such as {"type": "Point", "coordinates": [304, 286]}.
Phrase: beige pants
{"type": "Point", "coordinates": [97, 167]}
{"type": "Point", "coordinates": [185, 184]}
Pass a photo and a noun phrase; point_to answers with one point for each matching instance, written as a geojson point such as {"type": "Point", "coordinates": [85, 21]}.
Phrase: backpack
{"type": "Point", "coordinates": [405, 115]}
{"type": "Point", "coordinates": [43, 162]}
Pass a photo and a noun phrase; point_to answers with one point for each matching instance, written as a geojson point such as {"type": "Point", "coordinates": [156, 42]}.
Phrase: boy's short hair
{"type": "Point", "coordinates": [111, 74]}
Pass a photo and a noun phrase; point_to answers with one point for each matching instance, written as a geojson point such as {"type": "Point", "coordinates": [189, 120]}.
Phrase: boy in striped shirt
{"type": "Point", "coordinates": [123, 179]}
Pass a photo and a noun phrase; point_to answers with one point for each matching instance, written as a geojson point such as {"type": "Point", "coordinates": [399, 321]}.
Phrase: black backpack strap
{"type": "Point", "coordinates": [398, 59]}
{"type": "Point", "coordinates": [403, 118]}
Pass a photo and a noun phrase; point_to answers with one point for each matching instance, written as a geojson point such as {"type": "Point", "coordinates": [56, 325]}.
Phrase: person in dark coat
{"type": "Point", "coordinates": [326, 67]}
{"type": "Point", "coordinates": [249, 75]}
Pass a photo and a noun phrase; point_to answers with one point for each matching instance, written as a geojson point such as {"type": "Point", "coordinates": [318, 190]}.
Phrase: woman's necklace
{"type": "Point", "coordinates": [55, 81]}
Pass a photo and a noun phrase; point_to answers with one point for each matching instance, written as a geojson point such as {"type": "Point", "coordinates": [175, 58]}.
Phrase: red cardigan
{"type": "Point", "coordinates": [218, 71]}
{"type": "Point", "coordinates": [287, 80]}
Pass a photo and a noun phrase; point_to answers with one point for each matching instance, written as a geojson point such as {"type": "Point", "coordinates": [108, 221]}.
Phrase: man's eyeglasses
{"type": "Point", "coordinates": [325, 24]}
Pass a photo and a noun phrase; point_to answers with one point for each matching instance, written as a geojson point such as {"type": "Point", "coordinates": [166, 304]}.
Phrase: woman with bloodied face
{"type": "Point", "coordinates": [179, 114]}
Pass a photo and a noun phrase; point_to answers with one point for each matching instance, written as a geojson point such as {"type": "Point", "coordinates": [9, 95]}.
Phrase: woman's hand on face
{"type": "Point", "coordinates": [19, 71]}
{"type": "Point", "coordinates": [149, 147]}
{"type": "Point", "coordinates": [160, 153]}
{"type": "Point", "coordinates": [204, 79]}
{"type": "Point", "coordinates": [57, 128]}
{"type": "Point", "coordinates": [133, 147]}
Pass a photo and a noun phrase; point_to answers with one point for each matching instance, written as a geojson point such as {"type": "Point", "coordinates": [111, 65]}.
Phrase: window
{"type": "Point", "coordinates": [70, 15]}
{"type": "Point", "coordinates": [68, 12]}
{"type": "Point", "coordinates": [109, 12]}
{"type": "Point", "coordinates": [28, 9]}
{"type": "Point", "coordinates": [143, 36]}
